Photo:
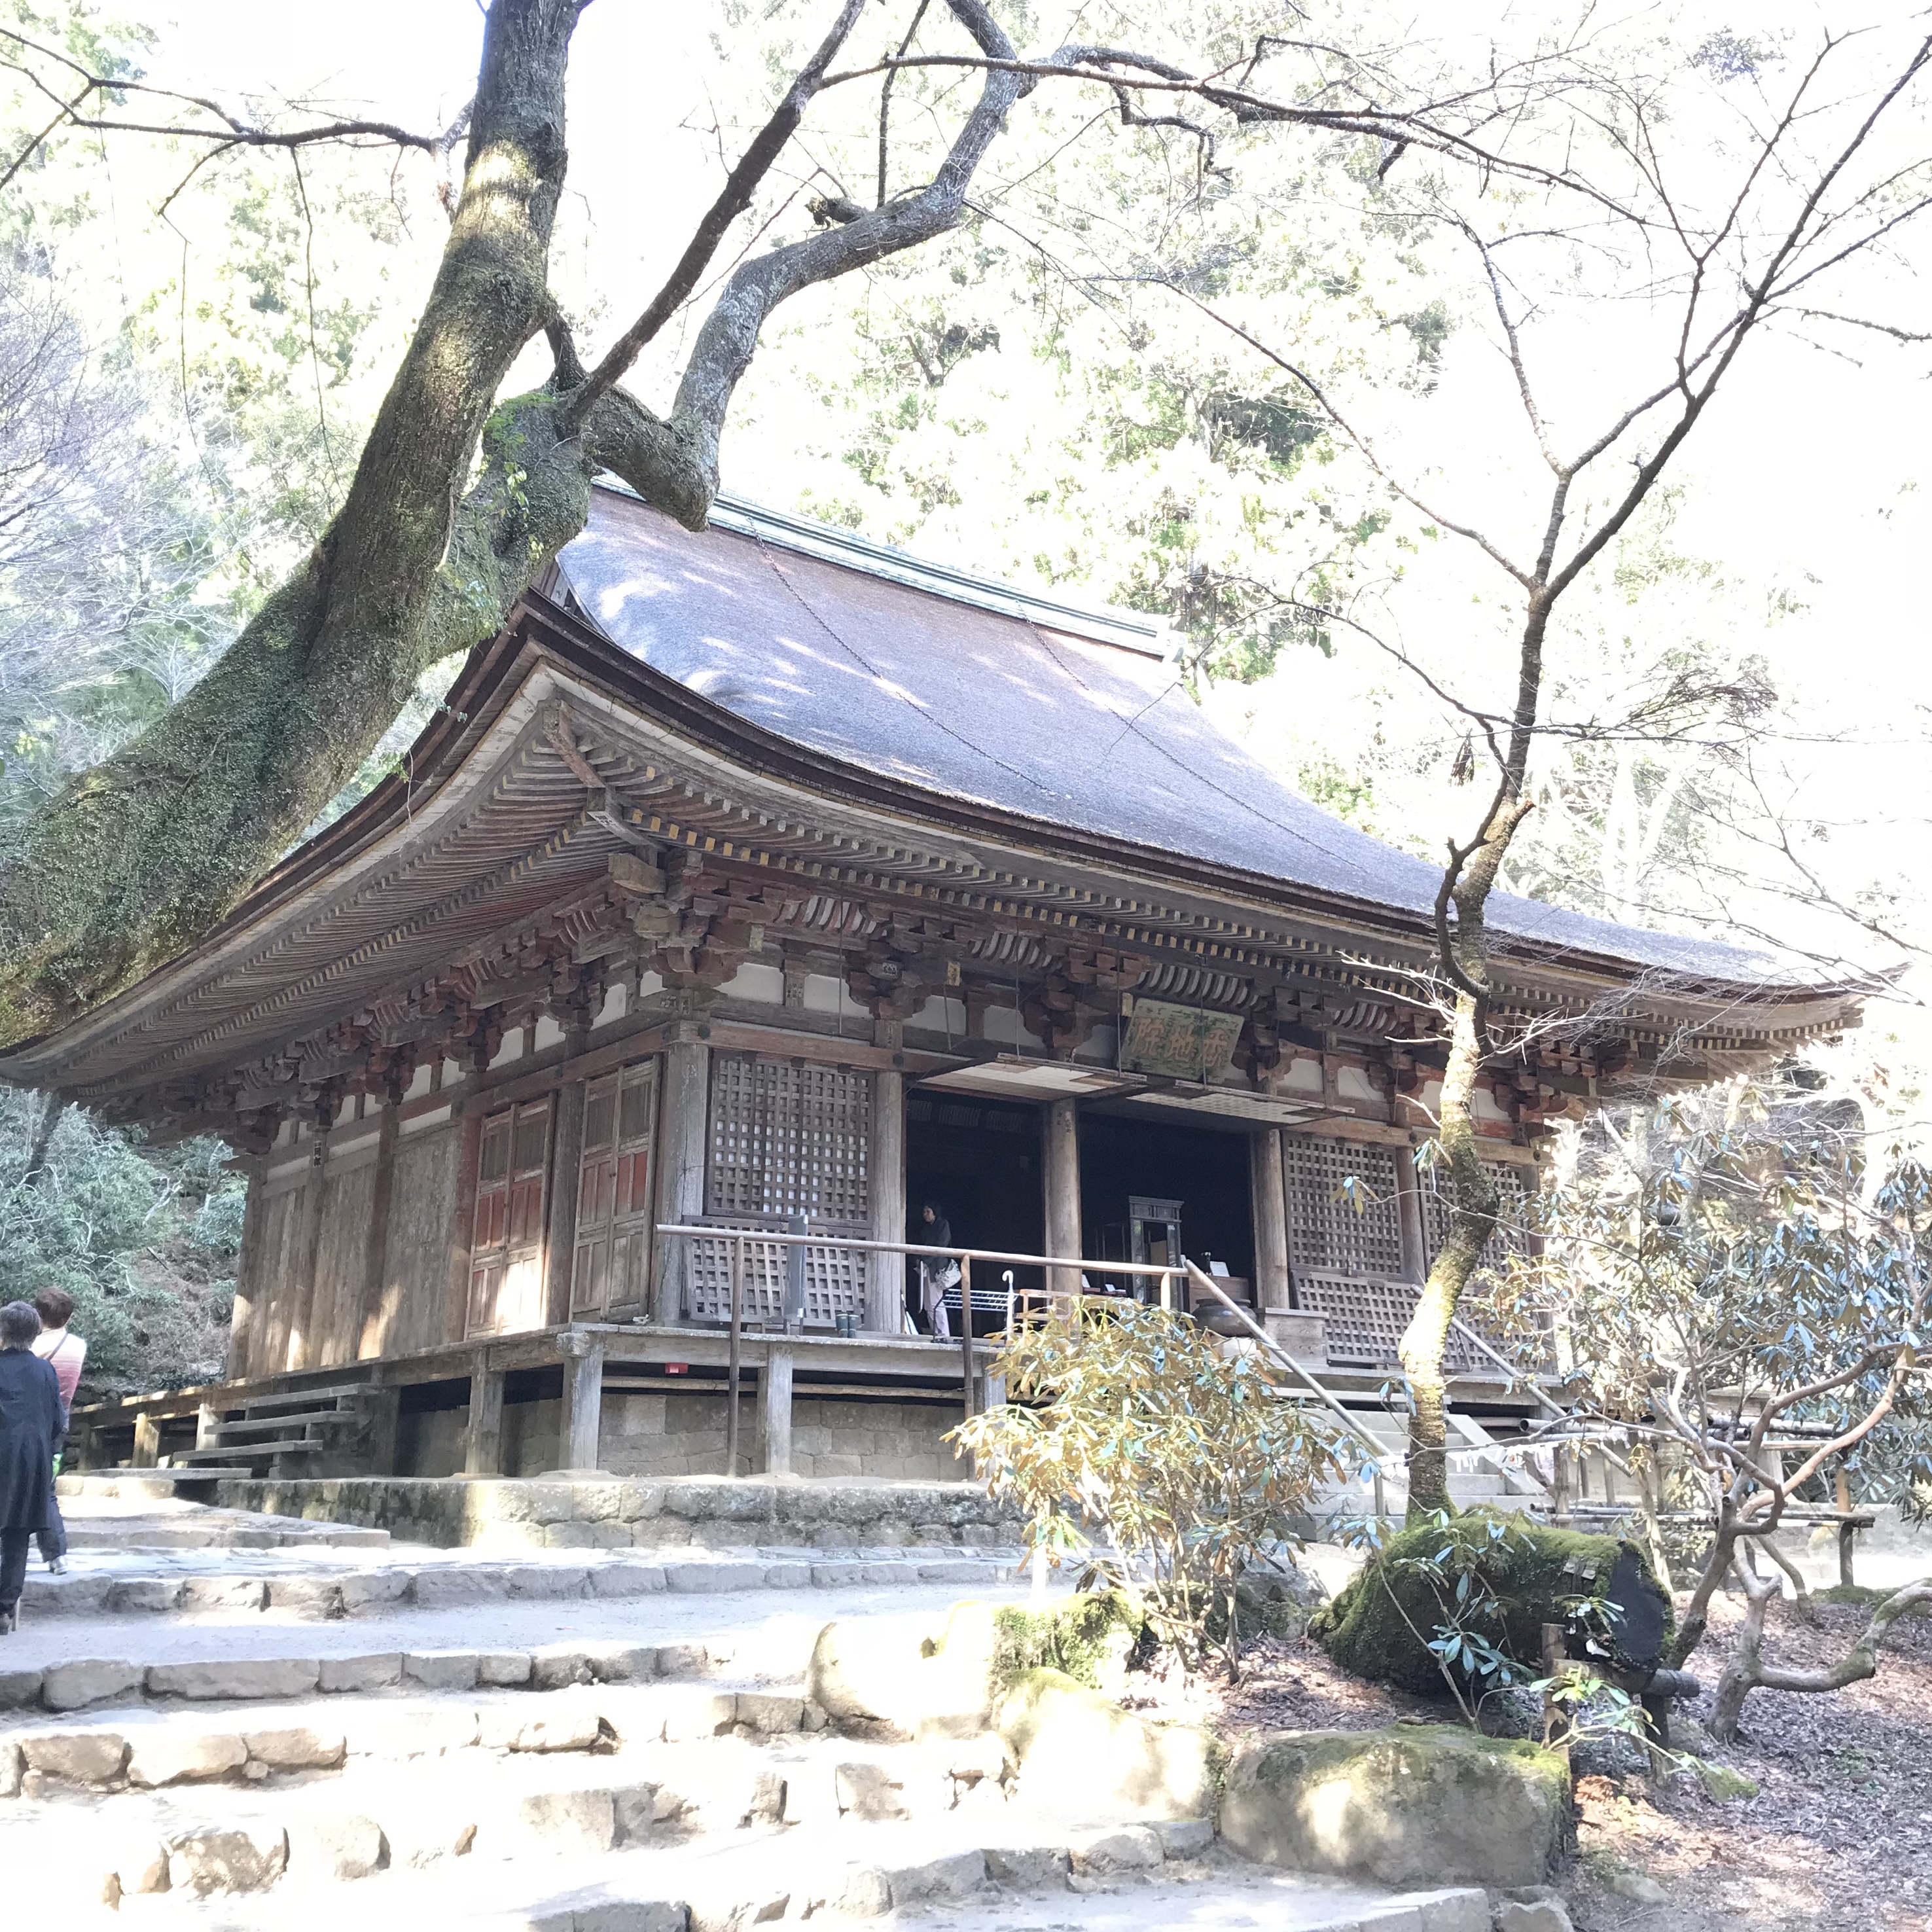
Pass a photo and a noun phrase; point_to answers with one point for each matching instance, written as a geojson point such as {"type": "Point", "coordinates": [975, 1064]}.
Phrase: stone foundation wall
{"type": "Point", "coordinates": [651, 1435]}
{"type": "Point", "coordinates": [500, 1514]}
{"type": "Point", "coordinates": [677, 1434]}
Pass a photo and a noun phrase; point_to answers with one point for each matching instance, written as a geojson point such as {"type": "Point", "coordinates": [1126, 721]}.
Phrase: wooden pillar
{"type": "Point", "coordinates": [582, 1425]}
{"type": "Point", "coordinates": [147, 1441]}
{"type": "Point", "coordinates": [687, 1093]}
{"type": "Point", "coordinates": [462, 1225]}
{"type": "Point", "coordinates": [1269, 1198]}
{"type": "Point", "coordinates": [886, 1274]}
{"type": "Point", "coordinates": [566, 1159]}
{"type": "Point", "coordinates": [483, 1445]}
{"type": "Point", "coordinates": [207, 1420]}
{"type": "Point", "coordinates": [382, 1405]}
{"type": "Point", "coordinates": [775, 1396]}
{"type": "Point", "coordinates": [378, 1313]}
{"type": "Point", "coordinates": [1060, 1174]}
{"type": "Point", "coordinates": [302, 1347]}
{"type": "Point", "coordinates": [250, 1291]}
{"type": "Point", "coordinates": [1408, 1217]}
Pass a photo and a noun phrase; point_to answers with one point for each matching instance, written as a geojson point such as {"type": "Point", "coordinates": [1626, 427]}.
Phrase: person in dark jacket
{"type": "Point", "coordinates": [30, 1435]}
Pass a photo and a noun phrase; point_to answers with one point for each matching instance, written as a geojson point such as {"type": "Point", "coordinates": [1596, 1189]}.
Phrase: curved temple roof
{"type": "Point", "coordinates": [972, 691]}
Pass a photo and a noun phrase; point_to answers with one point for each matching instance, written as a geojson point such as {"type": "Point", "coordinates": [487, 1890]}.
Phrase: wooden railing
{"type": "Point", "coordinates": [1052, 1264]}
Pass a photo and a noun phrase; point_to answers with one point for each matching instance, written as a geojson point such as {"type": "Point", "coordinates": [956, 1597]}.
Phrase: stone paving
{"type": "Point", "coordinates": [238, 1725]}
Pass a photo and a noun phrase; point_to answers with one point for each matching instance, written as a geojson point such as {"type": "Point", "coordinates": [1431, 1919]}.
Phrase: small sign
{"type": "Point", "coordinates": [1184, 1043]}
{"type": "Point", "coordinates": [677, 1368]}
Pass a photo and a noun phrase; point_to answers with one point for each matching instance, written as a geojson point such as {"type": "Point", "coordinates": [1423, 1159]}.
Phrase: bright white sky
{"type": "Point", "coordinates": [1807, 480]}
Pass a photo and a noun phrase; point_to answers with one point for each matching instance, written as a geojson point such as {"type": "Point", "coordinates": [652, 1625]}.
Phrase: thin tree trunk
{"type": "Point", "coordinates": [39, 1175]}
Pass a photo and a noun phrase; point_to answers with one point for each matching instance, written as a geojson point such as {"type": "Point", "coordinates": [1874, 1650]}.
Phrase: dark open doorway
{"type": "Point", "coordinates": [1170, 1178]}
{"type": "Point", "coordinates": [978, 1161]}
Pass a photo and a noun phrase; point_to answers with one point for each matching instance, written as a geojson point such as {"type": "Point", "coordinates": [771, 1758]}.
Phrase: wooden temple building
{"type": "Point", "coordinates": [769, 878]}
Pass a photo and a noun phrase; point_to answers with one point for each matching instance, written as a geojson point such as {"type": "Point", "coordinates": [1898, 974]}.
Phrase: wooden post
{"type": "Point", "coordinates": [308, 1252]}
{"type": "Point", "coordinates": [1270, 1197]}
{"type": "Point", "coordinates": [578, 1437]}
{"type": "Point", "coordinates": [776, 1394]}
{"type": "Point", "coordinates": [1842, 1495]}
{"type": "Point", "coordinates": [376, 1312]}
{"type": "Point", "coordinates": [462, 1225]}
{"type": "Point", "coordinates": [249, 1286]}
{"type": "Point", "coordinates": [1408, 1217]}
{"type": "Point", "coordinates": [886, 1274]}
{"type": "Point", "coordinates": [147, 1441]}
{"type": "Point", "coordinates": [1060, 1170]}
{"type": "Point", "coordinates": [566, 1161]}
{"type": "Point", "coordinates": [483, 1445]}
{"type": "Point", "coordinates": [966, 1332]}
{"type": "Point", "coordinates": [207, 1420]}
{"type": "Point", "coordinates": [382, 1405]}
{"type": "Point", "coordinates": [681, 1147]}
{"type": "Point", "coordinates": [733, 1369]}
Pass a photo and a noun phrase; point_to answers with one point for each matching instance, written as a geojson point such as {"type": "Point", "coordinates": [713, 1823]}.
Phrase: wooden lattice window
{"type": "Point", "coordinates": [1513, 1197]}
{"type": "Point", "coordinates": [788, 1139]}
{"type": "Point", "coordinates": [506, 1270]}
{"type": "Point", "coordinates": [1364, 1320]}
{"type": "Point", "coordinates": [834, 1280]}
{"type": "Point", "coordinates": [1343, 1216]}
{"type": "Point", "coordinates": [611, 1268]}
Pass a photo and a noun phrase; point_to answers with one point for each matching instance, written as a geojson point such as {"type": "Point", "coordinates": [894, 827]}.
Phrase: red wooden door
{"type": "Point", "coordinates": [506, 1254]}
{"type": "Point", "coordinates": [611, 1268]}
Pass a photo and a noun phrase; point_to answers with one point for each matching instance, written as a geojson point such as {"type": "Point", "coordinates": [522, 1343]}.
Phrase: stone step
{"type": "Point", "coordinates": [110, 1664]}
{"type": "Point", "coordinates": [108, 1587]}
{"type": "Point", "coordinates": [115, 1692]}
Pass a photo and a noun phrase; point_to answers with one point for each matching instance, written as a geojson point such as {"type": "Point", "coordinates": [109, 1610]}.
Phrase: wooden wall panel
{"type": "Point", "coordinates": [337, 1326]}
{"type": "Point", "coordinates": [281, 1239]}
{"type": "Point", "coordinates": [416, 1272]}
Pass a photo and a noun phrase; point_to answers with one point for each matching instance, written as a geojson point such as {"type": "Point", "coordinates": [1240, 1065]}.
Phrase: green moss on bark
{"type": "Point", "coordinates": [1380, 1626]}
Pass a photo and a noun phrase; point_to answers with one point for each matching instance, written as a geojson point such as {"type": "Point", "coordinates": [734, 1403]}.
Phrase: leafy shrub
{"type": "Point", "coordinates": [1129, 1427]}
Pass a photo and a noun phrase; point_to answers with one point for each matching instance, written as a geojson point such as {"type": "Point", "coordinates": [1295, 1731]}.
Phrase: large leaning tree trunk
{"type": "Point", "coordinates": [457, 501]}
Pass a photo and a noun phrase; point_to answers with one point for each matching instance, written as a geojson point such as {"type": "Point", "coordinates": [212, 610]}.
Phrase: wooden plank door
{"type": "Point", "coordinates": [611, 1268]}
{"type": "Point", "coordinates": [506, 1256]}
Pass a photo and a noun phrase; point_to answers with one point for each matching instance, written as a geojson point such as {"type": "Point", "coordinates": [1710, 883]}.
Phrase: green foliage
{"type": "Point", "coordinates": [146, 1240]}
{"type": "Point", "coordinates": [1460, 1601]}
{"type": "Point", "coordinates": [1129, 1425]}
{"type": "Point", "coordinates": [1735, 1247]}
{"type": "Point", "coordinates": [1087, 1636]}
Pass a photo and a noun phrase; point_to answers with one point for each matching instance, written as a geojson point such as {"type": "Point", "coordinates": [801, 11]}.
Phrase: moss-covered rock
{"type": "Point", "coordinates": [947, 1682]}
{"type": "Point", "coordinates": [1413, 1803]}
{"type": "Point", "coordinates": [1381, 1626]}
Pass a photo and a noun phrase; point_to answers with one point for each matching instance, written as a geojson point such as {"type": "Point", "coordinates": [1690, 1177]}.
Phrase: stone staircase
{"type": "Point", "coordinates": [570, 1762]}
{"type": "Point", "coordinates": [1479, 1473]}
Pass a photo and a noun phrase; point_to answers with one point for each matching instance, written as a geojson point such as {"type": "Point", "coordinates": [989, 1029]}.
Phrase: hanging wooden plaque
{"type": "Point", "coordinates": [1184, 1043]}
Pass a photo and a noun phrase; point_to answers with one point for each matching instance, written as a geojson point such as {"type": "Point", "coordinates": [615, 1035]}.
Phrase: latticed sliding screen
{"type": "Point", "coordinates": [1513, 1195]}
{"type": "Point", "coordinates": [786, 1140]}
{"type": "Point", "coordinates": [834, 1281]}
{"type": "Point", "coordinates": [1365, 1320]}
{"type": "Point", "coordinates": [506, 1286]}
{"type": "Point", "coordinates": [1343, 1217]}
{"type": "Point", "coordinates": [789, 1139]}
{"type": "Point", "coordinates": [612, 1262]}
{"type": "Point", "coordinates": [1345, 1248]}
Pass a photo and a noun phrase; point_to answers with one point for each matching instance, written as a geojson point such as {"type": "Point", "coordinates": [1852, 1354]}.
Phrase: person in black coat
{"type": "Point", "coordinates": [30, 1434]}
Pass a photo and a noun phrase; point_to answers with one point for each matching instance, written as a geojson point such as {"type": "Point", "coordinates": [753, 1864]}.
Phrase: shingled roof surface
{"type": "Point", "coordinates": [970, 703]}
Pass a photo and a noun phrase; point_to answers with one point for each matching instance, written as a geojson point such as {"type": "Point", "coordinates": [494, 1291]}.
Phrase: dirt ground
{"type": "Point", "coordinates": [1838, 1838]}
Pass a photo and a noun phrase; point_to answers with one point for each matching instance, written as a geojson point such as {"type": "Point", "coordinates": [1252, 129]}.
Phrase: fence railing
{"type": "Point", "coordinates": [744, 1264]}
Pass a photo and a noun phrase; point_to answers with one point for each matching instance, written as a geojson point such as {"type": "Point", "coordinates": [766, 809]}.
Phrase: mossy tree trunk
{"type": "Point", "coordinates": [456, 503]}
{"type": "Point", "coordinates": [143, 854]}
